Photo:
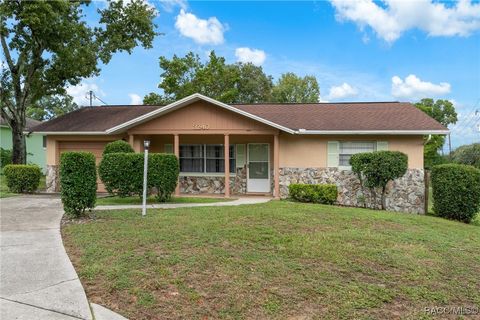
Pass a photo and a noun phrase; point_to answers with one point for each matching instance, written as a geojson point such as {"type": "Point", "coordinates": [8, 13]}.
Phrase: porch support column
{"type": "Point", "coordinates": [226, 145]}
{"type": "Point", "coordinates": [131, 140]}
{"type": "Point", "coordinates": [276, 168]}
{"type": "Point", "coordinates": [176, 150]}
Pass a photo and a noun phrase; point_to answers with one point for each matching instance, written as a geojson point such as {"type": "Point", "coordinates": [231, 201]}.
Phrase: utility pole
{"type": "Point", "coordinates": [91, 97]}
{"type": "Point", "coordinates": [449, 147]}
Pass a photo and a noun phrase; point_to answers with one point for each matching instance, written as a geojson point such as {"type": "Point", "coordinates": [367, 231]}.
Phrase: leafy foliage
{"type": "Point", "coordinates": [376, 169]}
{"type": "Point", "coordinates": [229, 83]}
{"type": "Point", "coordinates": [316, 193]}
{"type": "Point", "coordinates": [122, 174]}
{"type": "Point", "coordinates": [444, 112]}
{"type": "Point", "coordinates": [291, 88]}
{"type": "Point", "coordinates": [78, 182]}
{"type": "Point", "coordinates": [50, 107]}
{"type": "Point", "coordinates": [22, 178]}
{"type": "Point", "coordinates": [456, 191]}
{"type": "Point", "coordinates": [5, 157]}
{"type": "Point", "coordinates": [468, 154]}
{"type": "Point", "coordinates": [49, 45]}
{"type": "Point", "coordinates": [117, 147]}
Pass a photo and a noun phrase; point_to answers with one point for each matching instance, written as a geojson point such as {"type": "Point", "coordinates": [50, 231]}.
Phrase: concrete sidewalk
{"type": "Point", "coordinates": [37, 280]}
{"type": "Point", "coordinates": [237, 202]}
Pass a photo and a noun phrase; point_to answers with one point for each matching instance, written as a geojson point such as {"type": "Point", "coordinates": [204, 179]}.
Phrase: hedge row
{"type": "Point", "coordinates": [122, 174]}
{"type": "Point", "coordinates": [316, 193]}
{"type": "Point", "coordinates": [22, 178]}
{"type": "Point", "coordinates": [78, 182]}
{"type": "Point", "coordinates": [456, 191]}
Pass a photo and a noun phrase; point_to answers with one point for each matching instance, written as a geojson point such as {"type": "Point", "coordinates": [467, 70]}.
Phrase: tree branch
{"type": "Point", "coordinates": [6, 53]}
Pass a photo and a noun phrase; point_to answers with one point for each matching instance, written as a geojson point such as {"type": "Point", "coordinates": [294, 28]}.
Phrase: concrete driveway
{"type": "Point", "coordinates": [37, 280]}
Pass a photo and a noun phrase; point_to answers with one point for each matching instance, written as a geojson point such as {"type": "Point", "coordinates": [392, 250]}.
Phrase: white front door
{"type": "Point", "coordinates": [258, 172]}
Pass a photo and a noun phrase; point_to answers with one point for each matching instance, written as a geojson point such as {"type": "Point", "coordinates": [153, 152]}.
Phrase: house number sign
{"type": "Point", "coordinates": [201, 126]}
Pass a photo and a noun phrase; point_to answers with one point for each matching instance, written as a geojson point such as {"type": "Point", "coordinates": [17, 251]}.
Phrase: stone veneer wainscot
{"type": "Point", "coordinates": [405, 194]}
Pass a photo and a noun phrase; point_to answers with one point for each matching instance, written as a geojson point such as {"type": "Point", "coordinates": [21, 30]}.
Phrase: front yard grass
{"type": "Point", "coordinates": [281, 260]}
{"type": "Point", "coordinates": [115, 200]}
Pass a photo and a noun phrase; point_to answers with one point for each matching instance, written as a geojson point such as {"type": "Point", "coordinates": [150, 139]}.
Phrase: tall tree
{"type": "Point", "coordinates": [291, 88]}
{"type": "Point", "coordinates": [48, 45]}
{"type": "Point", "coordinates": [229, 83]}
{"type": "Point", "coordinates": [444, 112]}
{"type": "Point", "coordinates": [50, 107]}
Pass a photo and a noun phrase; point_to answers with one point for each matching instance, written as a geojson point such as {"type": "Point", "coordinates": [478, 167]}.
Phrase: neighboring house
{"type": "Point", "coordinates": [36, 147]}
{"type": "Point", "coordinates": [269, 146]}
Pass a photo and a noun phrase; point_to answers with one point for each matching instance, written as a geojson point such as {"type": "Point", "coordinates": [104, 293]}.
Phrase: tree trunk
{"type": "Point", "coordinates": [19, 152]}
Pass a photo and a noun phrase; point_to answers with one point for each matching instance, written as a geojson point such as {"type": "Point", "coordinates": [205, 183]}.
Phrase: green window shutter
{"type": "Point", "coordinates": [168, 148]}
{"type": "Point", "coordinates": [333, 153]}
{"type": "Point", "coordinates": [382, 145]}
{"type": "Point", "coordinates": [241, 157]}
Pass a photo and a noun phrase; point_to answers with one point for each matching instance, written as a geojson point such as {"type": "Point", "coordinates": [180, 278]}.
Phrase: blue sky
{"type": "Point", "coordinates": [359, 51]}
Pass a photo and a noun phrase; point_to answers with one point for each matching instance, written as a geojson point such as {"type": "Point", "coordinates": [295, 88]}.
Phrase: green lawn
{"type": "Point", "coordinates": [150, 200]}
{"type": "Point", "coordinates": [281, 260]}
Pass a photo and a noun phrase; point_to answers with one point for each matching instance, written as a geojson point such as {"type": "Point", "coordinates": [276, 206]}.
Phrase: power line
{"type": "Point", "coordinates": [90, 95]}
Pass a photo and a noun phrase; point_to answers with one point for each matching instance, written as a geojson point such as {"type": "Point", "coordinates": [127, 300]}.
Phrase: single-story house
{"type": "Point", "coordinates": [258, 148]}
{"type": "Point", "coordinates": [35, 142]}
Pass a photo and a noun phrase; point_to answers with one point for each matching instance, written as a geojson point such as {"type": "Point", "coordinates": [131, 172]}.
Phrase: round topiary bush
{"type": "Point", "coordinates": [117, 147]}
{"type": "Point", "coordinates": [456, 191]}
{"type": "Point", "coordinates": [78, 182]}
{"type": "Point", "coordinates": [22, 178]}
{"type": "Point", "coordinates": [376, 169]}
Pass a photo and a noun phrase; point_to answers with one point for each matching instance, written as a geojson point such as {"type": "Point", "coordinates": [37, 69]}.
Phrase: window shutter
{"type": "Point", "coordinates": [240, 161]}
{"type": "Point", "coordinates": [168, 148]}
{"type": "Point", "coordinates": [382, 145]}
{"type": "Point", "coordinates": [332, 149]}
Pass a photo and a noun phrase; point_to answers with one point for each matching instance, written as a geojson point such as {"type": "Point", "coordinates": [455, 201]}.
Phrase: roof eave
{"type": "Point", "coordinates": [373, 132]}
{"type": "Point", "coordinates": [66, 133]}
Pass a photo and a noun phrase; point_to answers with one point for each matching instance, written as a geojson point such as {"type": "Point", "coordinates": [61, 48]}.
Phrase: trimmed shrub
{"type": "Point", "coordinates": [122, 174]}
{"type": "Point", "coordinates": [5, 157]}
{"type": "Point", "coordinates": [22, 178]}
{"type": "Point", "coordinates": [117, 147]}
{"type": "Point", "coordinates": [78, 182]}
{"type": "Point", "coordinates": [456, 191]}
{"type": "Point", "coordinates": [316, 193]}
{"type": "Point", "coordinates": [376, 169]}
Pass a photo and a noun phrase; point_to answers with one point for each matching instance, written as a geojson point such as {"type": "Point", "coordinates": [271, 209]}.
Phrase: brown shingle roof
{"type": "Point", "coordinates": [309, 116]}
{"type": "Point", "coordinates": [345, 116]}
{"type": "Point", "coordinates": [30, 123]}
{"type": "Point", "coordinates": [94, 119]}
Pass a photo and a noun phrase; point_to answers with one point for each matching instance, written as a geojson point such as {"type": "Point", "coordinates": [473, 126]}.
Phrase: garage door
{"type": "Point", "coordinates": [95, 147]}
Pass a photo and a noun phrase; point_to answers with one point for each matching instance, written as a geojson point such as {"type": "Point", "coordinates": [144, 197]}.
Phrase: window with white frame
{"type": "Point", "coordinates": [205, 158]}
{"type": "Point", "coordinates": [347, 149]}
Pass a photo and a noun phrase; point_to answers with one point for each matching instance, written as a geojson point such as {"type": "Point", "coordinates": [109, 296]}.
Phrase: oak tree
{"type": "Point", "coordinates": [48, 45]}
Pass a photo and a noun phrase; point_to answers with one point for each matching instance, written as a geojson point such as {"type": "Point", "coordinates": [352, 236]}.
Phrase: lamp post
{"type": "Point", "coordinates": [146, 144]}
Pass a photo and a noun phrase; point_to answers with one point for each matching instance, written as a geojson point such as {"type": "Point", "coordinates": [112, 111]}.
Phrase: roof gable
{"type": "Point", "coordinates": [187, 101]}
{"type": "Point", "coordinates": [200, 116]}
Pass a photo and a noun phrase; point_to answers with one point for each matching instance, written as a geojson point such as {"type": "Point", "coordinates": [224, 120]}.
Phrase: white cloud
{"type": "Point", "coordinates": [202, 31]}
{"type": "Point", "coordinates": [413, 88]}
{"type": "Point", "coordinates": [81, 90]}
{"type": "Point", "coordinates": [169, 5]}
{"type": "Point", "coordinates": [255, 56]}
{"type": "Point", "coordinates": [342, 91]}
{"type": "Point", "coordinates": [135, 98]}
{"type": "Point", "coordinates": [391, 18]}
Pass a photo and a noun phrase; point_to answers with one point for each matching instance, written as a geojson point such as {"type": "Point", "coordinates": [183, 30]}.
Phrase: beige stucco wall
{"type": "Point", "coordinates": [310, 151]}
